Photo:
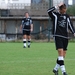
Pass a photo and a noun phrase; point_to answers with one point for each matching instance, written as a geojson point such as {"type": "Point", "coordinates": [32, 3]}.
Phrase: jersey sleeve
{"type": "Point", "coordinates": [51, 12]}
{"type": "Point", "coordinates": [22, 22]}
{"type": "Point", "coordinates": [31, 22]}
{"type": "Point", "coordinates": [70, 25]}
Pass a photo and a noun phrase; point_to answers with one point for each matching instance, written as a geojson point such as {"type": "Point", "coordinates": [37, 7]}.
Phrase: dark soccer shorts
{"type": "Point", "coordinates": [26, 32]}
{"type": "Point", "coordinates": [61, 43]}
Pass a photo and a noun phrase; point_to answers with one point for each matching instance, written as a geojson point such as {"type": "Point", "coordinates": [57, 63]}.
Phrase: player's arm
{"type": "Point", "coordinates": [21, 26]}
{"type": "Point", "coordinates": [74, 34]}
{"type": "Point", "coordinates": [70, 26]}
{"type": "Point", "coordinates": [50, 12]}
{"type": "Point", "coordinates": [31, 24]}
{"type": "Point", "coordinates": [31, 28]}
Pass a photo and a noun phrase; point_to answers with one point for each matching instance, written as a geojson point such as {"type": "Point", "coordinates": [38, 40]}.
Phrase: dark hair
{"type": "Point", "coordinates": [62, 7]}
{"type": "Point", "coordinates": [25, 13]}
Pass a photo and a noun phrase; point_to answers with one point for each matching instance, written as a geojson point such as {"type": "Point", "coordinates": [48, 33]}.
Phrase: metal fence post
{"type": "Point", "coordinates": [49, 27]}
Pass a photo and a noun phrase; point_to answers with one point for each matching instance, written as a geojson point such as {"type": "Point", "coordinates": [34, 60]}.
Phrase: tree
{"type": "Point", "coordinates": [71, 10]}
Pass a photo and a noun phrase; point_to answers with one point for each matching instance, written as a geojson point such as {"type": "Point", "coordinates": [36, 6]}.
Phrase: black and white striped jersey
{"type": "Point", "coordinates": [26, 23]}
{"type": "Point", "coordinates": [61, 23]}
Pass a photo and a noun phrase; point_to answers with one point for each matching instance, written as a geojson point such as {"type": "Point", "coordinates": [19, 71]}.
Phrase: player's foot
{"type": "Point", "coordinates": [65, 73]}
{"type": "Point", "coordinates": [24, 46]}
{"type": "Point", "coordinates": [55, 72]}
{"type": "Point", "coordinates": [28, 46]}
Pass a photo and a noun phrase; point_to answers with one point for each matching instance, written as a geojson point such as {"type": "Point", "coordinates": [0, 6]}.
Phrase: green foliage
{"type": "Point", "coordinates": [71, 10]}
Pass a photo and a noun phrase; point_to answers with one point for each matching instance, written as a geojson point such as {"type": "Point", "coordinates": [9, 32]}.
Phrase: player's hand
{"type": "Point", "coordinates": [31, 29]}
{"type": "Point", "coordinates": [21, 30]}
{"type": "Point", "coordinates": [57, 7]}
{"type": "Point", "coordinates": [74, 34]}
{"type": "Point", "coordinates": [60, 4]}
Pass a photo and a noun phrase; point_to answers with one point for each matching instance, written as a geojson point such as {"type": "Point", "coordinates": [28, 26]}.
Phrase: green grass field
{"type": "Point", "coordinates": [37, 60]}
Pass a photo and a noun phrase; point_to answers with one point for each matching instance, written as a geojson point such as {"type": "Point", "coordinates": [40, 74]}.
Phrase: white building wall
{"type": "Point", "coordinates": [56, 2]}
{"type": "Point", "coordinates": [21, 1]}
{"type": "Point", "coordinates": [4, 4]}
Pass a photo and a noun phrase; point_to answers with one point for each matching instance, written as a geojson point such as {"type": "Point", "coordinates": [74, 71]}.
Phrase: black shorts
{"type": "Point", "coordinates": [26, 32]}
{"type": "Point", "coordinates": [61, 43]}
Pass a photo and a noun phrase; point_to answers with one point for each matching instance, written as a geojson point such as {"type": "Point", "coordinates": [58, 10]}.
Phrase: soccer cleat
{"type": "Point", "coordinates": [24, 46]}
{"type": "Point", "coordinates": [28, 46]}
{"type": "Point", "coordinates": [55, 72]}
{"type": "Point", "coordinates": [65, 73]}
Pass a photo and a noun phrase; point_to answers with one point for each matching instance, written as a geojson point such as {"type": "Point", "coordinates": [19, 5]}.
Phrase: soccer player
{"type": "Point", "coordinates": [27, 28]}
{"type": "Point", "coordinates": [61, 24]}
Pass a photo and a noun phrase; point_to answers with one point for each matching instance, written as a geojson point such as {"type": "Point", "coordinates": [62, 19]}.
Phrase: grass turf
{"type": "Point", "coordinates": [37, 60]}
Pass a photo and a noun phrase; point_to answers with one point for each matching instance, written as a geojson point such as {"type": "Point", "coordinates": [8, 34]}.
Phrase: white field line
{"type": "Point", "coordinates": [32, 61]}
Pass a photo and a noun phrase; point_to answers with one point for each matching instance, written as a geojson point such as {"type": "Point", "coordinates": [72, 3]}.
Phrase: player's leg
{"type": "Point", "coordinates": [65, 43]}
{"type": "Point", "coordinates": [65, 46]}
{"type": "Point", "coordinates": [29, 39]}
{"type": "Point", "coordinates": [60, 59]}
{"type": "Point", "coordinates": [57, 66]}
{"type": "Point", "coordinates": [24, 38]}
{"type": "Point", "coordinates": [62, 54]}
{"type": "Point", "coordinates": [60, 63]}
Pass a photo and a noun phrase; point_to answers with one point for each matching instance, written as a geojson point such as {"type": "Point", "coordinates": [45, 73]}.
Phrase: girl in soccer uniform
{"type": "Point", "coordinates": [61, 24]}
{"type": "Point", "coordinates": [27, 28]}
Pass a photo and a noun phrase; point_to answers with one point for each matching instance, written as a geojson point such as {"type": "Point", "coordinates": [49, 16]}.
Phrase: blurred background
{"type": "Point", "coordinates": [12, 12]}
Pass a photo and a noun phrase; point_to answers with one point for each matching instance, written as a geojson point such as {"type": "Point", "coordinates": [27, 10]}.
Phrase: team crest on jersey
{"type": "Point", "coordinates": [64, 17]}
{"type": "Point", "coordinates": [62, 23]}
{"type": "Point", "coordinates": [28, 19]}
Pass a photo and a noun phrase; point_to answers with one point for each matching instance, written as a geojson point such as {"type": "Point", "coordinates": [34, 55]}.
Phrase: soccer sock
{"type": "Point", "coordinates": [61, 63]}
{"type": "Point", "coordinates": [63, 68]}
{"type": "Point", "coordinates": [29, 41]}
{"type": "Point", "coordinates": [56, 66]}
{"type": "Point", "coordinates": [24, 41]}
